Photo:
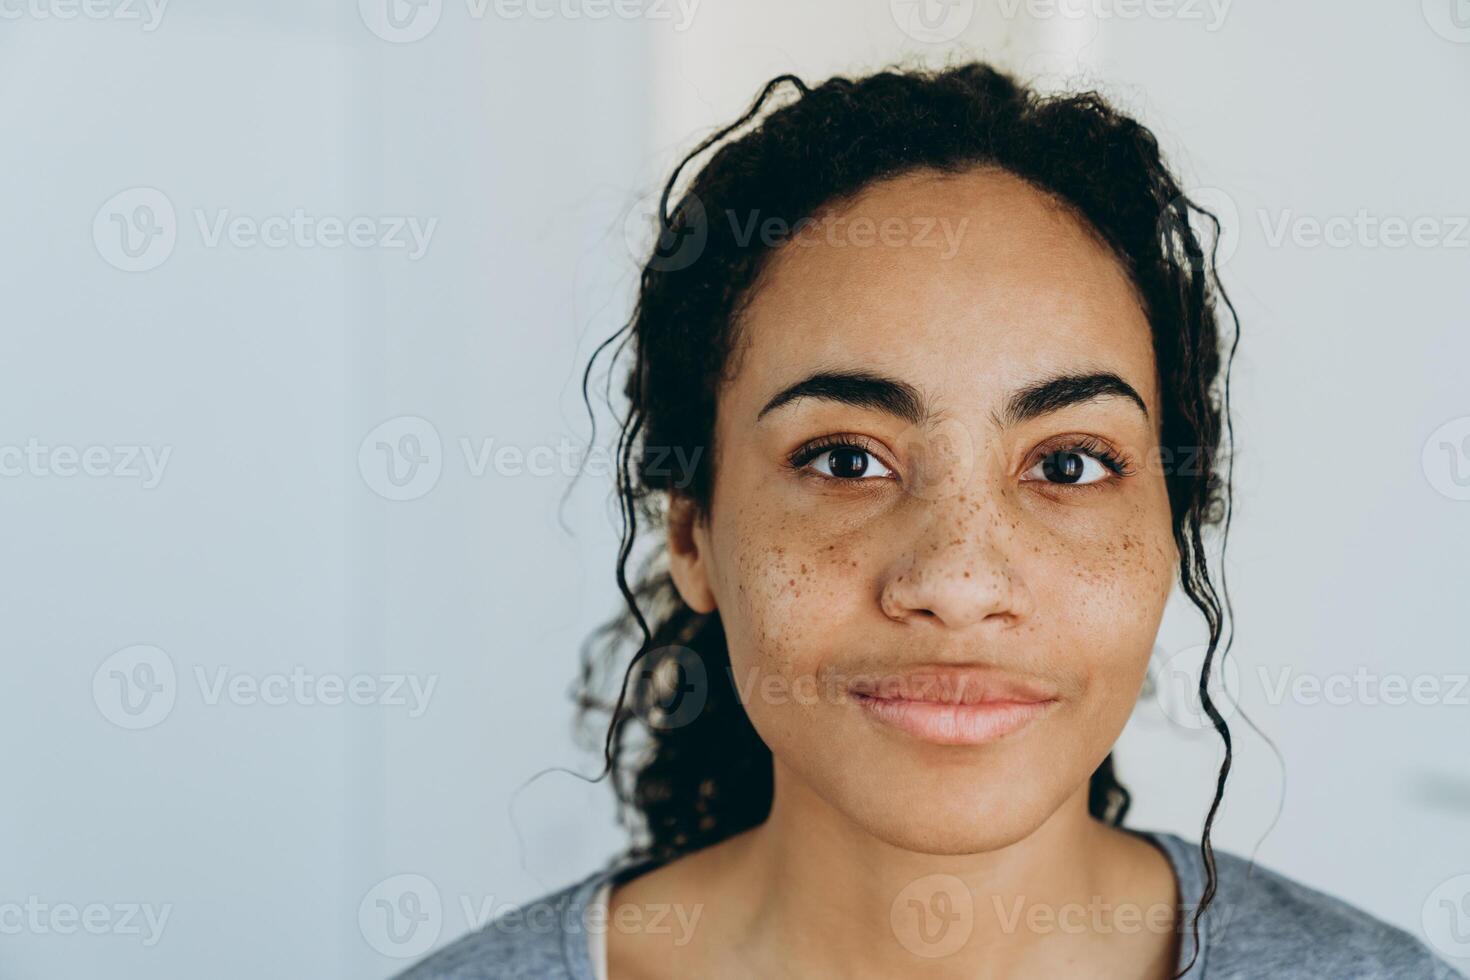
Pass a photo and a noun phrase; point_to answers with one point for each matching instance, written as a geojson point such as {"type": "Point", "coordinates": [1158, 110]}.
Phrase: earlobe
{"type": "Point", "coordinates": [688, 554]}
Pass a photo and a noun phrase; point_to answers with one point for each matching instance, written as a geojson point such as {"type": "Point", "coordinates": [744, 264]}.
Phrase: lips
{"type": "Point", "coordinates": [953, 705]}
{"type": "Point", "coordinates": [952, 685]}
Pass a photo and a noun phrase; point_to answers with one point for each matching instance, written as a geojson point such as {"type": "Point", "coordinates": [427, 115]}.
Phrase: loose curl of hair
{"type": "Point", "coordinates": [686, 786]}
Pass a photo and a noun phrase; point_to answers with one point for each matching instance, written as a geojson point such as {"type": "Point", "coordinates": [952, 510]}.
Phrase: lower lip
{"type": "Point", "coordinates": [954, 724]}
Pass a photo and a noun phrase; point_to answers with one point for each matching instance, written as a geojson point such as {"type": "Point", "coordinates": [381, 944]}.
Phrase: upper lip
{"type": "Point", "coordinates": [952, 684]}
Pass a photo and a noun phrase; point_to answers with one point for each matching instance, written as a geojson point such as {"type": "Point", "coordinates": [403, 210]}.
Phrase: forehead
{"type": "Point", "coordinates": [962, 284]}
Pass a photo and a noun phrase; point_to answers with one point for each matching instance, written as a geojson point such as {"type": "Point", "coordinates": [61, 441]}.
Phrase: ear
{"type": "Point", "coordinates": [689, 553]}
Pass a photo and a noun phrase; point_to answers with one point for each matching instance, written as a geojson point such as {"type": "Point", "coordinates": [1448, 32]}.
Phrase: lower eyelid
{"type": "Point", "coordinates": [852, 488]}
{"type": "Point", "coordinates": [1078, 487]}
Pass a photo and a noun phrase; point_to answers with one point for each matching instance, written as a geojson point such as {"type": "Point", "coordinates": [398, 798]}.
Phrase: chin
{"type": "Point", "coordinates": [946, 829]}
{"type": "Point", "coordinates": [961, 807]}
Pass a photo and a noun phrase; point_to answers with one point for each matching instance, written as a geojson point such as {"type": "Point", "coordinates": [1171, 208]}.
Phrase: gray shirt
{"type": "Point", "coordinates": [1260, 925]}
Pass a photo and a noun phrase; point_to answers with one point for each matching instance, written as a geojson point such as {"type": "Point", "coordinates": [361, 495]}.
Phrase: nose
{"type": "Point", "coordinates": [959, 569]}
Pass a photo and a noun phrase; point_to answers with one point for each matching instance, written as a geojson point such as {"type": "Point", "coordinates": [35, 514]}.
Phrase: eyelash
{"type": "Point", "coordinates": [805, 453]}
{"type": "Point", "coordinates": [1085, 445]}
{"type": "Point", "coordinates": [1097, 449]}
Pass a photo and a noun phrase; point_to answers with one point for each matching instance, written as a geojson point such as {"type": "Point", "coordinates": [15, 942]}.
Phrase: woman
{"type": "Point", "coordinates": [924, 410]}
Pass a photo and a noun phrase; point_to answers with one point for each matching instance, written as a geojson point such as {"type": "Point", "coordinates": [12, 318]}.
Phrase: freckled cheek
{"type": "Point", "coordinates": [1105, 593]}
{"type": "Point", "coordinates": [792, 606]}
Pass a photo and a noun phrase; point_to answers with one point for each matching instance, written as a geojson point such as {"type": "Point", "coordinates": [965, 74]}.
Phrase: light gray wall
{"type": "Point", "coordinates": [264, 547]}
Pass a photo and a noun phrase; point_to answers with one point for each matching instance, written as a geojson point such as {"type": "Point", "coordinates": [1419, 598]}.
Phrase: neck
{"type": "Point", "coordinates": [827, 898]}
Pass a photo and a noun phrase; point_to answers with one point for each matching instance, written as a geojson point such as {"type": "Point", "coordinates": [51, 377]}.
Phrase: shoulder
{"type": "Point", "coordinates": [543, 938]}
{"type": "Point", "coordinates": [1262, 923]}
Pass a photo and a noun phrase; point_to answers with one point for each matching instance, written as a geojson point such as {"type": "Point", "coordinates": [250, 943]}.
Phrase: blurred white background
{"type": "Point", "coordinates": [255, 253]}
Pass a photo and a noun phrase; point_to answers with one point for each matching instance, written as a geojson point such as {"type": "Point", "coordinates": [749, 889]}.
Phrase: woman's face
{"type": "Point", "coordinates": [939, 609]}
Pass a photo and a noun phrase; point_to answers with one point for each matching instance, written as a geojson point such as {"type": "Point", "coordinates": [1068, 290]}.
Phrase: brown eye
{"type": "Point", "coordinates": [1070, 466]}
{"type": "Point", "coordinates": [848, 463]}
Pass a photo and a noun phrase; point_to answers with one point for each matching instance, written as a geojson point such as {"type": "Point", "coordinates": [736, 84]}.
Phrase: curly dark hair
{"type": "Point", "coordinates": [684, 787]}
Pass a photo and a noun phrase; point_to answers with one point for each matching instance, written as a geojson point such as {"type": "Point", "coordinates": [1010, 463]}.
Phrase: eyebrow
{"type": "Point", "coordinates": [1061, 390]}
{"type": "Point", "coordinates": [901, 399]}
